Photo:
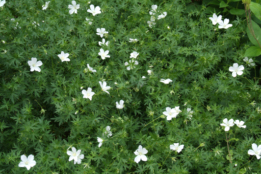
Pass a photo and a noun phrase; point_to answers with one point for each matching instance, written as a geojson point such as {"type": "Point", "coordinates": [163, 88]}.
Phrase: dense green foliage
{"type": "Point", "coordinates": [44, 113]}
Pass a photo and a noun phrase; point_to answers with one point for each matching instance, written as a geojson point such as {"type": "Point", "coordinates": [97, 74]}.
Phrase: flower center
{"type": "Point", "coordinates": [26, 163]}
{"type": "Point", "coordinates": [33, 65]}
{"type": "Point", "coordinates": [140, 153]}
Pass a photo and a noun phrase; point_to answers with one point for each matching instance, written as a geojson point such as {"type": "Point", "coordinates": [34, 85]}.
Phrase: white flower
{"type": "Point", "coordinates": [104, 54]}
{"type": "Point", "coordinates": [35, 23]}
{"type": "Point", "coordinates": [119, 105]}
{"type": "Point", "coordinates": [149, 72]}
{"type": "Point", "coordinates": [90, 68]}
{"type": "Point", "coordinates": [176, 147]}
{"type": "Point", "coordinates": [190, 112]}
{"type": "Point", "coordinates": [103, 42]}
{"type": "Point", "coordinates": [224, 24]}
{"type": "Point", "coordinates": [64, 56]}
{"type": "Point", "coordinates": [256, 150]}
{"type": "Point", "coordinates": [75, 155]}
{"type": "Point", "coordinates": [131, 64]}
{"type": "Point", "coordinates": [143, 77]}
{"type": "Point", "coordinates": [249, 61]}
{"type": "Point", "coordinates": [240, 124]}
{"type": "Point", "coordinates": [151, 23]}
{"type": "Point", "coordinates": [227, 124]}
{"type": "Point", "coordinates": [88, 93]}
{"type": "Point", "coordinates": [152, 18]}
{"type": "Point", "coordinates": [73, 8]}
{"type": "Point", "coordinates": [163, 15]}
{"type": "Point", "coordinates": [45, 6]}
{"type": "Point", "coordinates": [93, 10]}
{"type": "Point", "coordinates": [133, 40]}
{"type": "Point", "coordinates": [101, 31]}
{"type": "Point", "coordinates": [140, 154]}
{"type": "Point", "coordinates": [104, 87]}
{"type": "Point", "coordinates": [216, 19]}
{"type": "Point", "coordinates": [27, 162]}
{"type": "Point", "coordinates": [90, 21]}
{"type": "Point", "coordinates": [34, 64]}
{"type": "Point", "coordinates": [172, 113]}
{"type": "Point", "coordinates": [165, 81]}
{"type": "Point", "coordinates": [2, 3]}
{"type": "Point", "coordinates": [134, 54]}
{"type": "Point", "coordinates": [154, 8]}
{"type": "Point", "coordinates": [100, 141]}
{"type": "Point", "coordinates": [236, 70]}
{"type": "Point", "coordinates": [108, 131]}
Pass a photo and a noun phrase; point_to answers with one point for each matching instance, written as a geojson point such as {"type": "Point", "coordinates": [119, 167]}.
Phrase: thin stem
{"type": "Point", "coordinates": [150, 122]}
{"type": "Point", "coordinates": [249, 23]}
{"type": "Point", "coordinates": [230, 160]}
{"type": "Point", "coordinates": [165, 159]}
{"type": "Point", "coordinates": [39, 104]}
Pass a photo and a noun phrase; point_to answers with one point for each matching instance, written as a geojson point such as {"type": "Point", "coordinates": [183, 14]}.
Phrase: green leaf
{"type": "Point", "coordinates": [234, 139]}
{"type": "Point", "coordinates": [256, 9]}
{"type": "Point", "coordinates": [235, 11]}
{"type": "Point", "coordinates": [242, 171]}
{"type": "Point", "coordinates": [253, 51]}
{"type": "Point", "coordinates": [214, 2]}
{"type": "Point", "coordinates": [257, 31]}
{"type": "Point", "coordinates": [222, 4]}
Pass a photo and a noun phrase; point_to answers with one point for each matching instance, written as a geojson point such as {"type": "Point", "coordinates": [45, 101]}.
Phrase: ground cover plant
{"type": "Point", "coordinates": [110, 86]}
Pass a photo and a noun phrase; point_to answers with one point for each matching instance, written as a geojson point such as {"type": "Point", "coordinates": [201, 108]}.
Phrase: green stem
{"type": "Point", "coordinates": [150, 122]}
{"type": "Point", "coordinates": [165, 159]}
{"type": "Point", "coordinates": [230, 160]}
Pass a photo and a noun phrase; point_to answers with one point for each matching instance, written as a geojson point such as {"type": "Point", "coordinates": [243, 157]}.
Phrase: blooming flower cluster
{"type": "Point", "coordinates": [107, 132]}
{"type": "Point", "coordinates": [236, 70]}
{"type": "Point", "coordinates": [218, 20]}
{"type": "Point", "coordinates": [172, 112]}
{"type": "Point", "coordinates": [230, 123]}
{"type": "Point", "coordinates": [255, 151]}
{"type": "Point", "coordinates": [64, 56]}
{"type": "Point", "coordinates": [74, 7]}
{"type": "Point", "coordinates": [165, 81]}
{"type": "Point", "coordinates": [75, 155]}
{"type": "Point", "coordinates": [169, 113]}
{"type": "Point", "coordinates": [45, 6]}
{"type": "Point", "coordinates": [153, 12]}
{"type": "Point", "coordinates": [176, 147]}
{"type": "Point", "coordinates": [94, 10]}
{"type": "Point", "coordinates": [249, 62]}
{"type": "Point", "coordinates": [189, 112]}
{"type": "Point", "coordinates": [133, 40]}
{"type": "Point", "coordinates": [27, 162]}
{"type": "Point", "coordinates": [131, 64]}
{"type": "Point", "coordinates": [120, 105]}
{"type": "Point", "coordinates": [2, 3]}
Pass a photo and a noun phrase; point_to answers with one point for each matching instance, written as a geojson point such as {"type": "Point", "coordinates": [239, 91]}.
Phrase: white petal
{"type": "Point", "coordinates": [143, 158]}
{"type": "Point", "coordinates": [137, 159]}
{"type": "Point", "coordinates": [227, 128]}
{"type": "Point", "coordinates": [251, 152]}
{"type": "Point", "coordinates": [254, 146]}
{"type": "Point", "coordinates": [241, 67]}
{"type": "Point", "coordinates": [240, 72]}
{"type": "Point", "coordinates": [69, 152]}
{"type": "Point", "coordinates": [23, 158]}
{"type": "Point", "coordinates": [21, 164]}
